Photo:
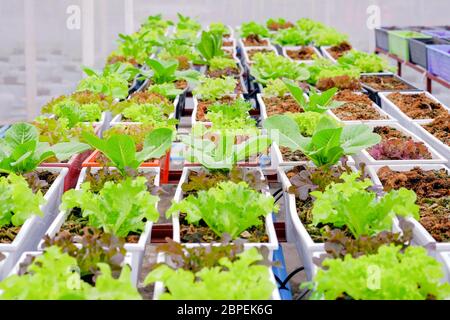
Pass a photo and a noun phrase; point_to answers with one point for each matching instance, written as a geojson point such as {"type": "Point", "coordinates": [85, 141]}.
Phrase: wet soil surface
{"type": "Point", "coordinates": [343, 82]}
{"type": "Point", "coordinates": [279, 105]}
{"type": "Point", "coordinates": [289, 155]}
{"type": "Point", "coordinates": [339, 50]}
{"type": "Point", "coordinates": [356, 107]}
{"type": "Point", "coordinates": [304, 53]}
{"type": "Point", "coordinates": [381, 83]}
{"type": "Point", "coordinates": [252, 52]}
{"type": "Point", "coordinates": [255, 41]}
{"type": "Point", "coordinates": [440, 128]}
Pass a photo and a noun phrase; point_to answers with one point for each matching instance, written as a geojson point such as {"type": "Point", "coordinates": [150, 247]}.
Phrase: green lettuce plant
{"type": "Point", "coordinates": [291, 37]}
{"type": "Point", "coordinates": [327, 37]}
{"type": "Point", "coordinates": [211, 89]}
{"type": "Point", "coordinates": [309, 26]}
{"type": "Point", "coordinates": [75, 112]}
{"type": "Point", "coordinates": [218, 28]}
{"type": "Point", "coordinates": [172, 49]}
{"type": "Point", "coordinates": [275, 88]}
{"type": "Point", "coordinates": [349, 204]}
{"type": "Point", "coordinates": [166, 72]}
{"type": "Point", "coordinates": [53, 276]}
{"type": "Point", "coordinates": [156, 22]}
{"type": "Point", "coordinates": [121, 149]}
{"type": "Point", "coordinates": [328, 143]}
{"type": "Point", "coordinates": [241, 279]}
{"type": "Point", "coordinates": [21, 151]}
{"type": "Point", "coordinates": [210, 45]}
{"type": "Point", "coordinates": [324, 68]}
{"type": "Point", "coordinates": [56, 130]}
{"type": "Point", "coordinates": [389, 274]}
{"type": "Point", "coordinates": [229, 208]}
{"type": "Point", "coordinates": [307, 121]}
{"type": "Point", "coordinates": [111, 209]}
{"type": "Point", "coordinates": [231, 116]}
{"type": "Point", "coordinates": [317, 102]}
{"type": "Point", "coordinates": [147, 113]}
{"type": "Point", "coordinates": [221, 63]}
{"type": "Point", "coordinates": [269, 66]}
{"type": "Point", "coordinates": [365, 62]}
{"type": "Point", "coordinates": [168, 90]}
{"type": "Point", "coordinates": [136, 47]}
{"type": "Point", "coordinates": [185, 22]}
{"type": "Point", "coordinates": [253, 28]}
{"type": "Point", "coordinates": [17, 201]}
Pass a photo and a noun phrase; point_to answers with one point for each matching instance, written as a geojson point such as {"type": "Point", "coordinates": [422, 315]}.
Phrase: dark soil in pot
{"type": "Point", "coordinates": [440, 128]}
{"type": "Point", "coordinates": [343, 82]}
{"type": "Point", "coordinates": [385, 83]}
{"type": "Point", "coordinates": [280, 105]}
{"type": "Point", "coordinates": [227, 43]}
{"type": "Point", "coordinates": [356, 107]}
{"type": "Point", "coordinates": [433, 196]}
{"type": "Point", "coordinates": [202, 107]}
{"type": "Point", "coordinates": [9, 233]}
{"type": "Point", "coordinates": [417, 105]}
{"type": "Point", "coordinates": [275, 26]}
{"type": "Point", "coordinates": [304, 53]}
{"type": "Point", "coordinates": [254, 40]}
{"type": "Point", "coordinates": [289, 155]}
{"type": "Point", "coordinates": [339, 50]}
{"type": "Point", "coordinates": [395, 145]}
{"type": "Point", "coordinates": [227, 72]}
{"type": "Point", "coordinates": [202, 233]}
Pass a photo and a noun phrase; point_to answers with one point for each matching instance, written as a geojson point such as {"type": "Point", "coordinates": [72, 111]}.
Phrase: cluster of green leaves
{"type": "Point", "coordinates": [272, 66]}
{"type": "Point", "coordinates": [231, 116]}
{"type": "Point", "coordinates": [56, 130]}
{"type": "Point", "coordinates": [165, 71]}
{"type": "Point", "coordinates": [210, 45]}
{"type": "Point", "coordinates": [172, 49]}
{"type": "Point", "coordinates": [309, 26]}
{"type": "Point", "coordinates": [146, 113]}
{"type": "Point", "coordinates": [135, 46]}
{"type": "Point", "coordinates": [145, 98]}
{"type": "Point", "coordinates": [253, 28]}
{"type": "Point", "coordinates": [229, 208]}
{"type": "Point", "coordinates": [307, 121]}
{"type": "Point", "coordinates": [17, 201]}
{"type": "Point", "coordinates": [113, 81]}
{"type": "Point", "coordinates": [317, 102]}
{"type": "Point", "coordinates": [328, 143]}
{"type": "Point", "coordinates": [349, 204]}
{"type": "Point", "coordinates": [280, 22]}
{"type": "Point", "coordinates": [211, 89]}
{"type": "Point", "coordinates": [156, 22]}
{"type": "Point", "coordinates": [365, 62]}
{"type": "Point", "coordinates": [137, 132]}
{"type": "Point", "coordinates": [185, 22]}
{"type": "Point", "coordinates": [219, 28]}
{"type": "Point", "coordinates": [111, 209]}
{"type": "Point", "coordinates": [241, 279]}
{"type": "Point", "coordinates": [81, 97]}
{"type": "Point", "coordinates": [408, 275]}
{"type": "Point", "coordinates": [21, 151]}
{"type": "Point", "coordinates": [75, 112]}
{"type": "Point", "coordinates": [324, 68]}
{"type": "Point", "coordinates": [275, 88]}
{"type": "Point", "coordinates": [96, 247]}
{"type": "Point", "coordinates": [187, 36]}
{"type": "Point", "coordinates": [223, 153]}
{"type": "Point", "coordinates": [53, 276]}
{"type": "Point", "coordinates": [221, 63]}
{"type": "Point", "coordinates": [327, 37]}
{"type": "Point", "coordinates": [168, 90]}
{"type": "Point", "coordinates": [291, 37]}
{"type": "Point", "coordinates": [121, 148]}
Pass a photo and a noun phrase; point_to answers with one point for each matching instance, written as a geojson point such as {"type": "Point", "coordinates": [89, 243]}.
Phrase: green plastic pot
{"type": "Point", "coordinates": [399, 44]}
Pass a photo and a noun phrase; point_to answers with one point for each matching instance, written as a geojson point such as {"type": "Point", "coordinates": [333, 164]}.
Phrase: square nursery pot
{"type": "Point", "coordinates": [160, 289]}
{"type": "Point", "coordinates": [364, 156]}
{"type": "Point", "coordinates": [421, 236]}
{"type": "Point", "coordinates": [403, 118]}
{"type": "Point", "coordinates": [247, 60]}
{"type": "Point", "coordinates": [34, 227]}
{"type": "Point", "coordinates": [382, 38]}
{"type": "Point", "coordinates": [135, 250]}
{"type": "Point", "coordinates": [118, 119]}
{"type": "Point", "coordinates": [418, 50]}
{"type": "Point", "coordinates": [381, 112]}
{"type": "Point", "coordinates": [373, 93]}
{"type": "Point", "coordinates": [398, 42]}
{"type": "Point", "coordinates": [439, 60]}
{"type": "Point", "coordinates": [295, 230]}
{"type": "Point", "coordinates": [307, 61]}
{"type": "Point", "coordinates": [272, 245]}
{"type": "Point", "coordinates": [432, 140]}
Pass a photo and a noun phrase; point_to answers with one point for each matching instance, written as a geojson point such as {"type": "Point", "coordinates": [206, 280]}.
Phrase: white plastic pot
{"type": "Point", "coordinates": [404, 119]}
{"type": "Point", "coordinates": [262, 105]}
{"type": "Point", "coordinates": [136, 250]}
{"type": "Point", "coordinates": [160, 289]}
{"type": "Point", "coordinates": [34, 227]}
{"type": "Point", "coordinates": [326, 54]}
{"type": "Point", "coordinates": [444, 258]}
{"type": "Point", "coordinates": [436, 143]}
{"type": "Point", "coordinates": [247, 60]}
{"type": "Point", "coordinates": [364, 156]}
{"type": "Point", "coordinates": [421, 236]}
{"type": "Point", "coordinates": [284, 52]}
{"type": "Point", "coordinates": [272, 245]}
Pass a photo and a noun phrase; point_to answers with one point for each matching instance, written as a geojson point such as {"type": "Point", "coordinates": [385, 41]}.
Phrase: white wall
{"type": "Point", "coordinates": [59, 50]}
